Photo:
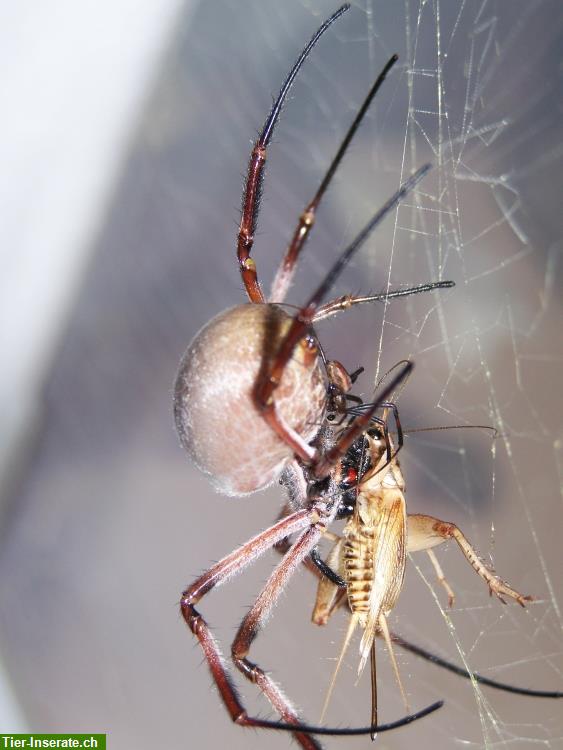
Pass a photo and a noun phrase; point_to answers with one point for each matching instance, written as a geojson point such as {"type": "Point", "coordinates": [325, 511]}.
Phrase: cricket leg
{"type": "Point", "coordinates": [329, 593]}
{"type": "Point", "coordinates": [425, 532]}
{"type": "Point", "coordinates": [441, 578]}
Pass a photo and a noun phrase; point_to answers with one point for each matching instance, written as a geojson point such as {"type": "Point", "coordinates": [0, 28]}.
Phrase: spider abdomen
{"type": "Point", "coordinates": [216, 416]}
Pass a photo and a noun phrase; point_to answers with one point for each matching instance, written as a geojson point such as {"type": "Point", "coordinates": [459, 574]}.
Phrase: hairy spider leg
{"type": "Point", "coordinates": [229, 566]}
{"type": "Point", "coordinates": [255, 175]}
{"type": "Point", "coordinates": [268, 381]}
{"type": "Point", "coordinates": [310, 525]}
{"type": "Point", "coordinates": [284, 275]}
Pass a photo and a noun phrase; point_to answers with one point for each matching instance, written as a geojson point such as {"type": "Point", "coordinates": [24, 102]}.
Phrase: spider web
{"type": "Point", "coordinates": [471, 101]}
{"type": "Point", "coordinates": [110, 522]}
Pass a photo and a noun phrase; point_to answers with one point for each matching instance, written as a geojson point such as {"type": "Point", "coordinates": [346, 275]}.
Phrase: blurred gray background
{"type": "Point", "coordinates": [126, 146]}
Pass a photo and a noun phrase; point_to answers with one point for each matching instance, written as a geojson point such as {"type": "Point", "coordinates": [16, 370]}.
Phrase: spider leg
{"type": "Point", "coordinates": [269, 379]}
{"type": "Point", "coordinates": [255, 175]}
{"type": "Point", "coordinates": [330, 591]}
{"type": "Point", "coordinates": [286, 270]}
{"type": "Point", "coordinates": [462, 671]}
{"type": "Point", "coordinates": [326, 568]}
{"type": "Point", "coordinates": [249, 629]}
{"type": "Point", "coordinates": [331, 597]}
{"type": "Point", "coordinates": [348, 300]}
{"type": "Point", "coordinates": [220, 573]}
{"type": "Point", "coordinates": [359, 425]}
{"type": "Point", "coordinates": [425, 532]}
{"type": "Point", "coordinates": [400, 439]}
{"type": "Point", "coordinates": [229, 566]}
{"type": "Point", "coordinates": [253, 621]}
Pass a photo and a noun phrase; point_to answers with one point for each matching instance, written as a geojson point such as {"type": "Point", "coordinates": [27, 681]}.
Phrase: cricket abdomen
{"type": "Point", "coordinates": [374, 553]}
{"type": "Point", "coordinates": [359, 568]}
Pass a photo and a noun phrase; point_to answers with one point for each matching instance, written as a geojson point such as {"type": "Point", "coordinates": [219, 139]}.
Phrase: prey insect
{"type": "Point", "coordinates": [366, 565]}
{"type": "Point", "coordinates": [255, 398]}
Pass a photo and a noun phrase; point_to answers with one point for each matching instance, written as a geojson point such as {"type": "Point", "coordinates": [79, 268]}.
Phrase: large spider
{"type": "Point", "coordinates": [255, 399]}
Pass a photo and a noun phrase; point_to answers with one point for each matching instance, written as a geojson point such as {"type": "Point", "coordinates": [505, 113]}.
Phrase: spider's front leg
{"type": "Point", "coordinates": [299, 333]}
{"type": "Point", "coordinates": [253, 186]}
{"type": "Point", "coordinates": [425, 532]}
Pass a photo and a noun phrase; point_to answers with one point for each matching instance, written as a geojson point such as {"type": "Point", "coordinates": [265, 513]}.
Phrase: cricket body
{"type": "Point", "coordinates": [374, 553]}
{"type": "Point", "coordinates": [367, 563]}
{"type": "Point", "coordinates": [371, 557]}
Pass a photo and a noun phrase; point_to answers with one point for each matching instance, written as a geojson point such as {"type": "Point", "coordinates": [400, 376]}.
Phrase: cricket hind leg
{"type": "Point", "coordinates": [425, 532]}
{"type": "Point", "coordinates": [441, 578]}
{"type": "Point", "coordinates": [334, 598]}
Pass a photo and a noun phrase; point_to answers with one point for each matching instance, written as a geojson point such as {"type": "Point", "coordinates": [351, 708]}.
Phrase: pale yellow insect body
{"type": "Point", "coordinates": [370, 558]}
{"type": "Point", "coordinates": [374, 549]}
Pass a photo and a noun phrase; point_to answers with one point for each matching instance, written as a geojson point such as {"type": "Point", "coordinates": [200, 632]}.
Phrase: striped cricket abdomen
{"type": "Point", "coordinates": [374, 553]}
{"type": "Point", "coordinates": [358, 567]}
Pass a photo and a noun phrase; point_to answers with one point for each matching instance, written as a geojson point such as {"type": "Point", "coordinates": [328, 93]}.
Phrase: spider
{"type": "Point", "coordinates": [256, 400]}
